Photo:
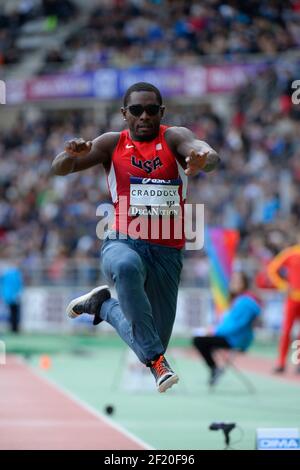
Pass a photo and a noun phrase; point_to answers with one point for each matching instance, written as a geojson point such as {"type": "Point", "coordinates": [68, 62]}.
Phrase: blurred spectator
{"type": "Point", "coordinates": [235, 330]}
{"type": "Point", "coordinates": [11, 283]}
{"type": "Point", "coordinates": [63, 9]}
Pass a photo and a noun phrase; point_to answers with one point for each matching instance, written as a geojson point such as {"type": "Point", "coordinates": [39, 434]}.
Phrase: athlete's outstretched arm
{"type": "Point", "coordinates": [198, 155]}
{"type": "Point", "coordinates": [80, 155]}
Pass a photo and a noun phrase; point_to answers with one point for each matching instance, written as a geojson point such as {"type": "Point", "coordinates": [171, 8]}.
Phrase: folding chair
{"type": "Point", "coordinates": [229, 357]}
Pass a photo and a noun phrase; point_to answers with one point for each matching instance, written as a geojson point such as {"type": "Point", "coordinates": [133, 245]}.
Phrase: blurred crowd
{"type": "Point", "coordinates": [22, 17]}
{"type": "Point", "coordinates": [160, 32]}
{"type": "Point", "coordinates": [129, 33]}
{"type": "Point", "coordinates": [47, 219]}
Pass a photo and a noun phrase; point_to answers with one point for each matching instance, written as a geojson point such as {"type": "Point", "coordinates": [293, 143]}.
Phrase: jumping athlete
{"type": "Point", "coordinates": [147, 166]}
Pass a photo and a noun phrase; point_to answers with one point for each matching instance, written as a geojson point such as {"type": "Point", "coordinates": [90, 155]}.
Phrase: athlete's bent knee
{"type": "Point", "coordinates": [128, 267]}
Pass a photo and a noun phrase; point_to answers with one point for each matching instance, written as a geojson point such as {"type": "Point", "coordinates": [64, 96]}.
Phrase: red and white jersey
{"type": "Point", "coordinates": [148, 189]}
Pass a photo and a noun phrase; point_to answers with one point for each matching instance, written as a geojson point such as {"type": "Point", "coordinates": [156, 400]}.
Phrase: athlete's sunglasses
{"type": "Point", "coordinates": [137, 109]}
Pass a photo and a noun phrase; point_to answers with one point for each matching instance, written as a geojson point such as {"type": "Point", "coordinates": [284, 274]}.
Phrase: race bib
{"type": "Point", "coordinates": [154, 196]}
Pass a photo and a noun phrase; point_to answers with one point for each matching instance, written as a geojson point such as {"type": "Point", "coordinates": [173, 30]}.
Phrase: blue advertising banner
{"type": "Point", "coordinates": [109, 83]}
{"type": "Point", "coordinates": [169, 81]}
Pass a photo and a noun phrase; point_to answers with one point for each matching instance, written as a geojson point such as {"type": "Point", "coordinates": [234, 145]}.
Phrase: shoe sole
{"type": "Point", "coordinates": [82, 298]}
{"type": "Point", "coordinates": [168, 383]}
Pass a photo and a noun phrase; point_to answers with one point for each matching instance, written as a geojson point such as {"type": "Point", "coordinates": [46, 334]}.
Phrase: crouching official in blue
{"type": "Point", "coordinates": [235, 330]}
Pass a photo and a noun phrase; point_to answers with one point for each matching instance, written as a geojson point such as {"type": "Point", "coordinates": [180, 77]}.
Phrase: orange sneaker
{"type": "Point", "coordinates": [164, 376]}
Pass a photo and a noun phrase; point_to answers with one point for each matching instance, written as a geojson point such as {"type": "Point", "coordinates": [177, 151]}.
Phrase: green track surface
{"type": "Point", "coordinates": [92, 368]}
{"type": "Point", "coordinates": [53, 344]}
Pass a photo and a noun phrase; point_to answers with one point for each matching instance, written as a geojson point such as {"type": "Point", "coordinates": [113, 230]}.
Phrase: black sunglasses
{"type": "Point", "coordinates": [137, 109]}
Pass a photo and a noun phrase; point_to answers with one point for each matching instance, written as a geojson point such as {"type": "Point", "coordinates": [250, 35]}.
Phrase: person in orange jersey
{"type": "Point", "coordinates": [284, 273]}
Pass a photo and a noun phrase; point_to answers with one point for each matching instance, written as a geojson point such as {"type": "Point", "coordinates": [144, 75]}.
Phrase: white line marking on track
{"type": "Point", "coordinates": [87, 407]}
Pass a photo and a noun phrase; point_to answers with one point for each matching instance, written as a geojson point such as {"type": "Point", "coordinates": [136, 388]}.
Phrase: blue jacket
{"type": "Point", "coordinates": [11, 285]}
{"type": "Point", "coordinates": [237, 323]}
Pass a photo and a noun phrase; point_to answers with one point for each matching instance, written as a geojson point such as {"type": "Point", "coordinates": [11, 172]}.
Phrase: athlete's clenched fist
{"type": "Point", "coordinates": [78, 147]}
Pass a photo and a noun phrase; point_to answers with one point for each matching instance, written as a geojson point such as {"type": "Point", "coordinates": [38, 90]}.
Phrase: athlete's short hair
{"type": "Point", "coordinates": [142, 86]}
